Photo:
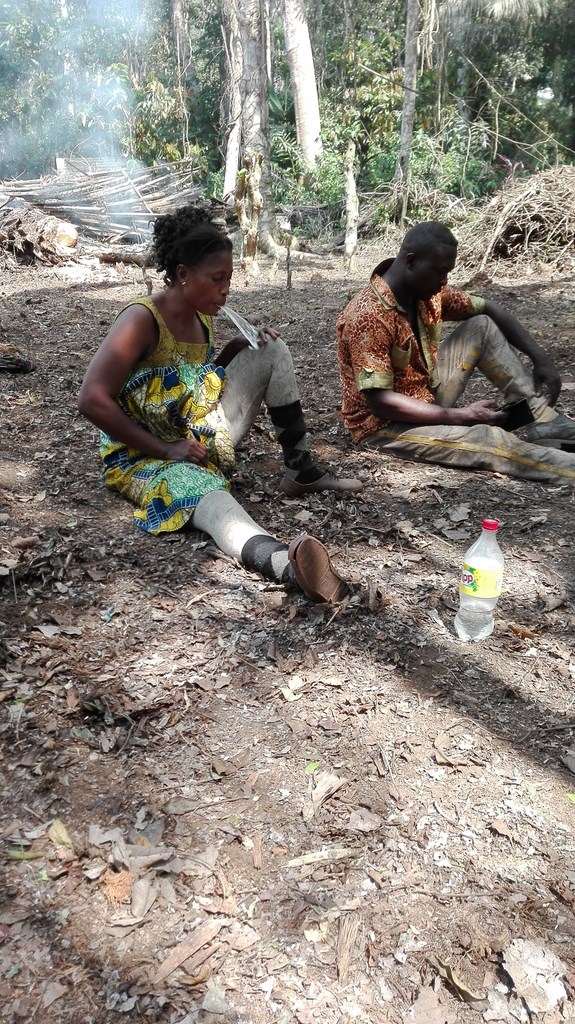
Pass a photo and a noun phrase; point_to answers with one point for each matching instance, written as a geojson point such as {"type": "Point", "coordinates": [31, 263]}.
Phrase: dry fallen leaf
{"type": "Point", "coordinates": [48, 629]}
{"type": "Point", "coordinates": [500, 827]}
{"type": "Point", "coordinates": [58, 835]}
{"type": "Point", "coordinates": [21, 543]}
{"type": "Point", "coordinates": [536, 973]}
{"type": "Point", "coordinates": [99, 837]}
{"type": "Point", "coordinates": [143, 897]}
{"type": "Point", "coordinates": [459, 513]}
{"type": "Point", "coordinates": [242, 937]}
{"type": "Point", "coordinates": [196, 939]}
{"type": "Point", "coordinates": [428, 1010]}
{"type": "Point", "coordinates": [362, 820]}
{"type": "Point", "coordinates": [326, 785]}
{"type": "Point", "coordinates": [294, 689]}
{"type": "Point", "coordinates": [522, 631]}
{"type": "Point", "coordinates": [52, 992]}
{"type": "Point", "coordinates": [7, 565]}
{"type": "Point", "coordinates": [565, 894]}
{"type": "Point", "coordinates": [568, 759]}
{"type": "Point", "coordinates": [317, 932]}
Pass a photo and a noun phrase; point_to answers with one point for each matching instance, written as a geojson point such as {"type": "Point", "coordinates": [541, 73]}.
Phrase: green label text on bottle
{"type": "Point", "coordinates": [480, 582]}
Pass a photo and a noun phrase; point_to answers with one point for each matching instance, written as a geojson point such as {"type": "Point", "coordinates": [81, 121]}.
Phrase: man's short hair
{"type": "Point", "coordinates": [426, 237]}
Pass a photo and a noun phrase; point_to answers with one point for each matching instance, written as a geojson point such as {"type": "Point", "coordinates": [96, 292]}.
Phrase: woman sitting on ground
{"type": "Point", "coordinates": [171, 411]}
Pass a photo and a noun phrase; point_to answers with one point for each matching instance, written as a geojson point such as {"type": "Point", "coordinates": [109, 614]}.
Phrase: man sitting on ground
{"type": "Point", "coordinates": [401, 386]}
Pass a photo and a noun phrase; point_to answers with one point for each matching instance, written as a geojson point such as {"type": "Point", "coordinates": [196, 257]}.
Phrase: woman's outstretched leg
{"type": "Point", "coordinates": [305, 563]}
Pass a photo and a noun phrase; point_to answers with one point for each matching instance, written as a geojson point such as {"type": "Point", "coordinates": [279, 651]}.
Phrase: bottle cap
{"type": "Point", "coordinates": [490, 524]}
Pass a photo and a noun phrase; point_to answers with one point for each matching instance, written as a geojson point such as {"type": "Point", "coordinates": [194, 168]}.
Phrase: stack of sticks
{"type": "Point", "coordinates": [116, 205]}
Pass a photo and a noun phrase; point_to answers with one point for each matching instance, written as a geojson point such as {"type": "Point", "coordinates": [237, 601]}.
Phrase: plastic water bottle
{"type": "Point", "coordinates": [480, 585]}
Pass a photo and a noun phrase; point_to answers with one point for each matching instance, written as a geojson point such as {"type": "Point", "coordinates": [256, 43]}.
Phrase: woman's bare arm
{"type": "Point", "coordinates": [132, 336]}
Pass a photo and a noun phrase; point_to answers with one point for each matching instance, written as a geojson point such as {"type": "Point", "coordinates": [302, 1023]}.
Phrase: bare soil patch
{"type": "Point", "coordinates": [222, 803]}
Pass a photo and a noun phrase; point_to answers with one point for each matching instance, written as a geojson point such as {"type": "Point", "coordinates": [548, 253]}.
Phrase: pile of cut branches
{"type": "Point", "coordinates": [531, 218]}
{"type": "Point", "coordinates": [384, 203]}
{"type": "Point", "coordinates": [115, 205]}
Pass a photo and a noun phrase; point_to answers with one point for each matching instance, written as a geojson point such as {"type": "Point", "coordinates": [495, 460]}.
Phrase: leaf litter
{"type": "Point", "coordinates": [220, 802]}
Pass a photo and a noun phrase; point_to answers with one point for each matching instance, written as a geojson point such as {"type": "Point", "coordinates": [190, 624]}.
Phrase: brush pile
{"type": "Point", "coordinates": [531, 218]}
{"type": "Point", "coordinates": [114, 205]}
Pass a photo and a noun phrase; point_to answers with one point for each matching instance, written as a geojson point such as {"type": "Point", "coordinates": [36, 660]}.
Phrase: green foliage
{"type": "Point", "coordinates": [100, 78]}
{"type": "Point", "coordinates": [323, 185]}
{"type": "Point", "coordinates": [213, 184]}
{"type": "Point", "coordinates": [453, 163]}
{"type": "Point", "coordinates": [366, 104]}
{"type": "Point", "coordinates": [457, 159]}
{"type": "Point", "coordinates": [157, 108]}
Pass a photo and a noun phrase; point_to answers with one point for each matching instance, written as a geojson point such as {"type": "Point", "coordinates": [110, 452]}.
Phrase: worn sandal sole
{"type": "Point", "coordinates": [314, 571]}
{"type": "Point", "coordinates": [327, 482]}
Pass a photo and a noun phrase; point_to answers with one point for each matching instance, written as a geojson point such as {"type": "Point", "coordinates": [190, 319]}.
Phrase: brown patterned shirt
{"type": "Point", "coordinates": [377, 347]}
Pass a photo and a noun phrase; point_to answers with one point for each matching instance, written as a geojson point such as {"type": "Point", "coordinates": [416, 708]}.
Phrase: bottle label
{"type": "Point", "coordinates": [480, 582]}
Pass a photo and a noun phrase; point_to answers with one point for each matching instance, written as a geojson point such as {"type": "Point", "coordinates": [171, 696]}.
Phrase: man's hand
{"type": "Point", "coordinates": [187, 450]}
{"type": "Point", "coordinates": [546, 377]}
{"type": "Point", "coordinates": [389, 405]}
{"type": "Point", "coordinates": [485, 411]}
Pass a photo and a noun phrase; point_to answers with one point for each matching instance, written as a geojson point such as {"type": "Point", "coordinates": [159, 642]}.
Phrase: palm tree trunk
{"type": "Point", "coordinates": [303, 81]}
{"type": "Point", "coordinates": [231, 99]}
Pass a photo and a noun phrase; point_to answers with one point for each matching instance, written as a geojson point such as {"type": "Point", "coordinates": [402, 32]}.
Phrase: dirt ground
{"type": "Point", "coordinates": [223, 803]}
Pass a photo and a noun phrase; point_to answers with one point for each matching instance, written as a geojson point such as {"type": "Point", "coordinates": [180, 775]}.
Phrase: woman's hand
{"type": "Point", "coordinates": [186, 450]}
{"type": "Point", "coordinates": [266, 334]}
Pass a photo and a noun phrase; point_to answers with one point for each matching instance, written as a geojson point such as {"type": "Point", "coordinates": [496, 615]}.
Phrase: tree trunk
{"type": "Point", "coordinates": [248, 203]}
{"type": "Point", "coordinates": [183, 55]}
{"type": "Point", "coordinates": [303, 81]}
{"type": "Point", "coordinates": [409, 94]}
{"type": "Point", "coordinates": [231, 99]}
{"type": "Point", "coordinates": [253, 16]}
{"type": "Point", "coordinates": [352, 209]}
{"type": "Point", "coordinates": [182, 48]}
{"type": "Point", "coordinates": [31, 235]}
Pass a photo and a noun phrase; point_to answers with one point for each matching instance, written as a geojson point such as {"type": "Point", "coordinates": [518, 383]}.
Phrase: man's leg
{"type": "Point", "coordinates": [479, 344]}
{"type": "Point", "coordinates": [268, 376]}
{"type": "Point", "coordinates": [477, 447]}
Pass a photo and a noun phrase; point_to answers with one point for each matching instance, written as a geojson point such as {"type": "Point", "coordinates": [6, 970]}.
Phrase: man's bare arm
{"type": "Point", "coordinates": [389, 405]}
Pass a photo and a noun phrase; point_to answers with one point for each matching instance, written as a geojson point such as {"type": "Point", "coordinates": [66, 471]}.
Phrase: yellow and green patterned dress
{"type": "Point", "coordinates": [174, 393]}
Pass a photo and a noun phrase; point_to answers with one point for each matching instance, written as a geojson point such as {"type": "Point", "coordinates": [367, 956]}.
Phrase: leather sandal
{"type": "Point", "coordinates": [314, 572]}
{"type": "Point", "coordinates": [327, 482]}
